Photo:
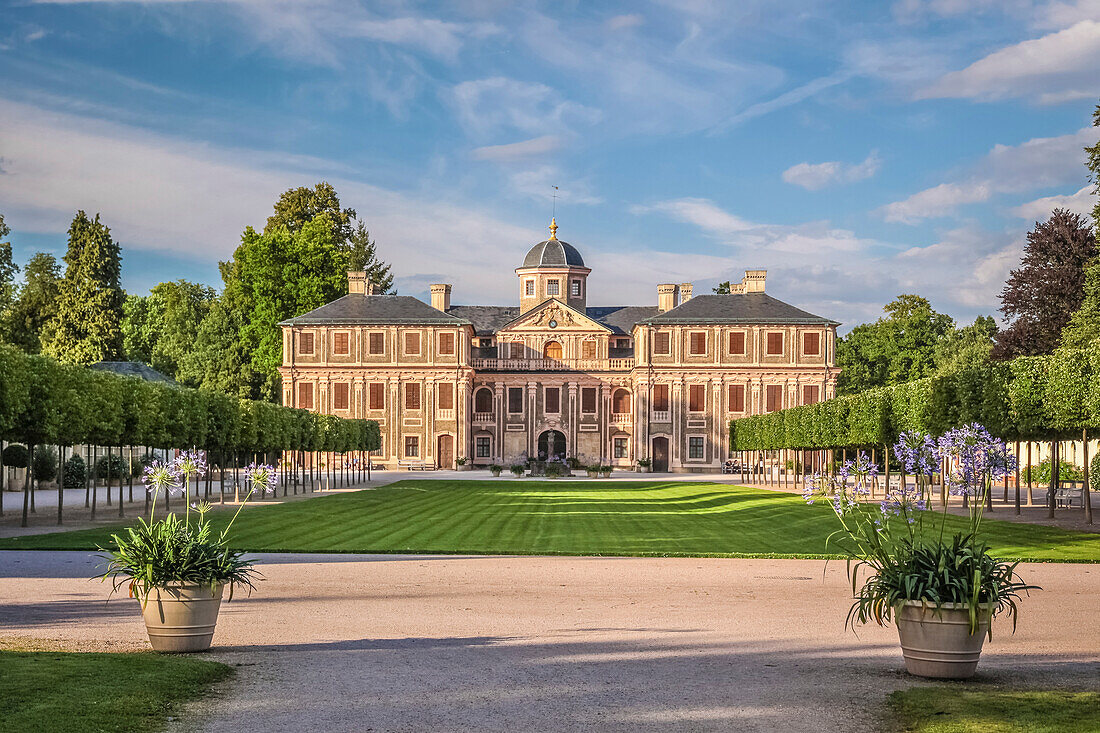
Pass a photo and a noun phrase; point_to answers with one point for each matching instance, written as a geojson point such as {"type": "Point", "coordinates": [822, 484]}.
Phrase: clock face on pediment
{"type": "Point", "coordinates": [554, 316]}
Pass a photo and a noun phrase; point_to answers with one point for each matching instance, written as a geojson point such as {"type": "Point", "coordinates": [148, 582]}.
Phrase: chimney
{"type": "Point", "coordinates": [441, 296]}
{"type": "Point", "coordinates": [666, 297]}
{"type": "Point", "coordinates": [754, 280]}
{"type": "Point", "coordinates": [357, 282]}
{"type": "Point", "coordinates": [685, 292]}
{"type": "Point", "coordinates": [371, 288]}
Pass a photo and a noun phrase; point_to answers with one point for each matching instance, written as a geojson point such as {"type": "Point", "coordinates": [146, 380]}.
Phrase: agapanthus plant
{"type": "Point", "coordinates": [901, 546]}
{"type": "Point", "coordinates": [976, 460]}
{"type": "Point", "coordinates": [156, 553]}
{"type": "Point", "coordinates": [262, 476]}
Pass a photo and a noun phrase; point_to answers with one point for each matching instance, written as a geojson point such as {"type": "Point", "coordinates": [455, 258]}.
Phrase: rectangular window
{"type": "Point", "coordinates": [377, 396]}
{"type": "Point", "coordinates": [575, 290]}
{"type": "Point", "coordinates": [619, 448]}
{"type": "Point", "coordinates": [482, 446]}
{"type": "Point", "coordinates": [446, 396]}
{"type": "Point", "coordinates": [341, 344]}
{"type": "Point", "coordinates": [447, 343]}
{"type": "Point", "coordinates": [305, 396]}
{"type": "Point", "coordinates": [515, 400]}
{"type": "Point", "coordinates": [698, 342]}
{"type": "Point", "coordinates": [660, 397]}
{"type": "Point", "coordinates": [774, 400]}
{"type": "Point", "coordinates": [775, 343]}
{"type": "Point", "coordinates": [810, 395]}
{"type": "Point", "coordinates": [622, 343]}
{"type": "Point", "coordinates": [553, 399]}
{"type": "Point", "coordinates": [588, 349]}
{"type": "Point", "coordinates": [340, 396]}
{"type": "Point", "coordinates": [553, 287]}
{"type": "Point", "coordinates": [695, 447]}
{"type": "Point", "coordinates": [588, 400]}
{"type": "Point", "coordinates": [811, 344]}
{"type": "Point", "coordinates": [737, 398]}
{"type": "Point", "coordinates": [377, 343]}
{"type": "Point", "coordinates": [662, 343]}
{"type": "Point", "coordinates": [412, 446]}
{"type": "Point", "coordinates": [412, 343]}
{"type": "Point", "coordinates": [515, 350]}
{"type": "Point", "coordinates": [305, 344]}
{"type": "Point", "coordinates": [697, 398]}
{"type": "Point", "coordinates": [412, 396]}
{"type": "Point", "coordinates": [529, 288]}
{"type": "Point", "coordinates": [737, 342]}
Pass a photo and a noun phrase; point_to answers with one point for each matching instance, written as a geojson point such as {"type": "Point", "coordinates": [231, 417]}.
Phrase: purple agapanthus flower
{"type": "Point", "coordinates": [918, 452]}
{"type": "Point", "coordinates": [161, 478]}
{"type": "Point", "coordinates": [976, 456]}
{"type": "Point", "coordinates": [263, 476]}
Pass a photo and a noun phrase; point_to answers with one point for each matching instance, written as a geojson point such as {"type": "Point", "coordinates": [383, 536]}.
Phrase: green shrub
{"type": "Point", "coordinates": [116, 464]}
{"type": "Point", "coordinates": [1094, 473]}
{"type": "Point", "coordinates": [76, 472]}
{"type": "Point", "coordinates": [45, 463]}
{"type": "Point", "coordinates": [16, 456]}
{"type": "Point", "coordinates": [517, 469]}
{"type": "Point", "coordinates": [1040, 473]}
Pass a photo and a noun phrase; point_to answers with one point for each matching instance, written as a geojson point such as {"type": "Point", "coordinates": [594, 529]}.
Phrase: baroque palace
{"type": "Point", "coordinates": [555, 377]}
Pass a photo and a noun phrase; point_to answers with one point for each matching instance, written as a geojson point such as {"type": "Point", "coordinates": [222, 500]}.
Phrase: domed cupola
{"type": "Point", "coordinates": [553, 269]}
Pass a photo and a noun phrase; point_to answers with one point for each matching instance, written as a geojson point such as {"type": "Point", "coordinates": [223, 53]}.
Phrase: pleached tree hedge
{"type": "Point", "coordinates": [45, 402]}
{"type": "Point", "coordinates": [1054, 397]}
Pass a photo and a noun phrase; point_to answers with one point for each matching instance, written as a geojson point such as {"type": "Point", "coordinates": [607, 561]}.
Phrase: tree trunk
{"type": "Point", "coordinates": [121, 503]}
{"type": "Point", "coordinates": [1086, 498]}
{"type": "Point", "coordinates": [130, 475]}
{"type": "Point", "coordinates": [60, 480]}
{"type": "Point", "coordinates": [2, 477]}
{"type": "Point", "coordinates": [109, 475]}
{"type": "Point", "coordinates": [27, 483]}
{"type": "Point", "coordinates": [1030, 478]}
{"type": "Point", "coordinates": [1017, 478]}
{"type": "Point", "coordinates": [1053, 479]}
{"type": "Point", "coordinates": [87, 475]}
{"type": "Point", "coordinates": [95, 479]}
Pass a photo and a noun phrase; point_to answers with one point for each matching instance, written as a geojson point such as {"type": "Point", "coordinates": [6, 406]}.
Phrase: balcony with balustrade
{"type": "Point", "coordinates": [552, 365]}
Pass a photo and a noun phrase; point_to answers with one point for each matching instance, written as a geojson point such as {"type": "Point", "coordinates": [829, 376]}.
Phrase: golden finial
{"type": "Point", "coordinates": [553, 228]}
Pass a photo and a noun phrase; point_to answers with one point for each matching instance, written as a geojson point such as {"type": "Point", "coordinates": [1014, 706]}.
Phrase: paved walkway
{"type": "Point", "coordinates": [392, 643]}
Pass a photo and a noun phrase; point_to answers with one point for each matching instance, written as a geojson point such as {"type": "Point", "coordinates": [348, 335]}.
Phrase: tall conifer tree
{"type": "Point", "coordinates": [87, 327]}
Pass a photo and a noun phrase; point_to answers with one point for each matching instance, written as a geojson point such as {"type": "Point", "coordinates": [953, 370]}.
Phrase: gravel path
{"type": "Point", "coordinates": [395, 643]}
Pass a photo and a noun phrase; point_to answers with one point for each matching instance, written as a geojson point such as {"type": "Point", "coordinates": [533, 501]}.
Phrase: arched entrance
{"type": "Point", "coordinates": [552, 350]}
{"type": "Point", "coordinates": [446, 451]}
{"type": "Point", "coordinates": [551, 445]}
{"type": "Point", "coordinates": [660, 455]}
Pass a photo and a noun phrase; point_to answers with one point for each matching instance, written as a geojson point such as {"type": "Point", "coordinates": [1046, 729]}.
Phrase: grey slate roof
{"type": "Point", "coordinates": [553, 253]}
{"type": "Point", "coordinates": [375, 309]}
{"type": "Point", "coordinates": [132, 369]}
{"type": "Point", "coordinates": [738, 308]}
{"type": "Point", "coordinates": [621, 318]}
{"type": "Point", "coordinates": [487, 319]}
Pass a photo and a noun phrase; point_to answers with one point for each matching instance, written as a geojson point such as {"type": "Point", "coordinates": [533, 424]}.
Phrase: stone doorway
{"type": "Point", "coordinates": [660, 455]}
{"type": "Point", "coordinates": [446, 451]}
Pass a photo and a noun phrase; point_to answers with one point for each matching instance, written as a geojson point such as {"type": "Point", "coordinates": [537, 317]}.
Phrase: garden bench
{"type": "Point", "coordinates": [1067, 495]}
{"type": "Point", "coordinates": [416, 465]}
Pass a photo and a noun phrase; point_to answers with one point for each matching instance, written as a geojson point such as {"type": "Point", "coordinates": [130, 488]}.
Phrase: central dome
{"type": "Point", "coordinates": [553, 253]}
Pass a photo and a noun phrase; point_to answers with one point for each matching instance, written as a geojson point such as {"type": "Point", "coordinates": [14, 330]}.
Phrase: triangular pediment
{"type": "Point", "coordinates": [553, 315]}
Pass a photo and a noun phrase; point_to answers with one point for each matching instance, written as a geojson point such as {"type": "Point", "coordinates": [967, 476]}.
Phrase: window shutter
{"type": "Point", "coordinates": [737, 398]}
{"type": "Point", "coordinates": [697, 398]}
{"type": "Point", "coordinates": [737, 342]}
{"type": "Point", "coordinates": [588, 399]}
{"type": "Point", "coordinates": [305, 396]}
{"type": "Point", "coordinates": [446, 343]}
{"type": "Point", "coordinates": [412, 396]}
{"type": "Point", "coordinates": [660, 397]}
{"type": "Point", "coordinates": [775, 343]}
{"type": "Point", "coordinates": [662, 343]}
{"type": "Point", "coordinates": [377, 343]}
{"type": "Point", "coordinates": [377, 396]}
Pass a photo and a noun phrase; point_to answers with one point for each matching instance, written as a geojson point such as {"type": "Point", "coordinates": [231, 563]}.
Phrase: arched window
{"type": "Point", "coordinates": [552, 350]}
{"type": "Point", "coordinates": [483, 400]}
{"type": "Point", "coordinates": [620, 401]}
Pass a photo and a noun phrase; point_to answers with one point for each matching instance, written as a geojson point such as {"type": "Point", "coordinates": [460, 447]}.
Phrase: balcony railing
{"type": "Point", "coordinates": [553, 365]}
{"type": "Point", "coordinates": [483, 417]}
{"type": "Point", "coordinates": [445, 414]}
{"type": "Point", "coordinates": [661, 416]}
{"type": "Point", "coordinates": [621, 418]}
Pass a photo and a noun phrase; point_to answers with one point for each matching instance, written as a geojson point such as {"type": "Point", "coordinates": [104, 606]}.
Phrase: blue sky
{"type": "Point", "coordinates": [855, 150]}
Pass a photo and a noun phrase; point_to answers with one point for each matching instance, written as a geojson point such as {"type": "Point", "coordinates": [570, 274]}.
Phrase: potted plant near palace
{"type": "Point", "coordinates": [942, 592]}
{"type": "Point", "coordinates": [178, 568]}
{"type": "Point", "coordinates": [464, 464]}
{"type": "Point", "coordinates": [605, 471]}
{"type": "Point", "coordinates": [593, 471]}
{"type": "Point", "coordinates": [495, 469]}
{"type": "Point", "coordinates": [644, 464]}
{"type": "Point", "coordinates": [518, 469]}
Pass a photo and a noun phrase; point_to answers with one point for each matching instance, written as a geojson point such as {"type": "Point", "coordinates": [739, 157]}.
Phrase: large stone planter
{"type": "Point", "coordinates": [937, 642]}
{"type": "Point", "coordinates": [180, 617]}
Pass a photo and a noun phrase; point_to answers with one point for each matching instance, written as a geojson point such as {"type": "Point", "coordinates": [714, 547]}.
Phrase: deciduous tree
{"type": "Point", "coordinates": [1042, 294]}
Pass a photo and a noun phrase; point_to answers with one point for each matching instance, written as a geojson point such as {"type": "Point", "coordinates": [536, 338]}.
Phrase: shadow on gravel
{"type": "Point", "coordinates": [55, 613]}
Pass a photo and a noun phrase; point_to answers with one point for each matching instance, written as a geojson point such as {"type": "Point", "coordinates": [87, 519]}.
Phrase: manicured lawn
{"type": "Point", "coordinates": [567, 517]}
{"type": "Point", "coordinates": [946, 710]}
{"type": "Point", "coordinates": [77, 692]}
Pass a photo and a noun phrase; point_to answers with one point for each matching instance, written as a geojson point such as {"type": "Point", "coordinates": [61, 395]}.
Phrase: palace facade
{"type": "Point", "coordinates": [554, 376]}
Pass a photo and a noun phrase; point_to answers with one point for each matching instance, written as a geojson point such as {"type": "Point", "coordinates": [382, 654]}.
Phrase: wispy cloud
{"type": "Point", "coordinates": [499, 104]}
{"type": "Point", "coordinates": [815, 176]}
{"type": "Point", "coordinates": [1030, 166]}
{"type": "Point", "coordinates": [1081, 202]}
{"type": "Point", "coordinates": [534, 147]}
{"type": "Point", "coordinates": [1057, 67]}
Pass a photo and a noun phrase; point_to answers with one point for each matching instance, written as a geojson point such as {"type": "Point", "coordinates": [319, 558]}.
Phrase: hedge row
{"type": "Point", "coordinates": [45, 402]}
{"type": "Point", "coordinates": [1029, 398]}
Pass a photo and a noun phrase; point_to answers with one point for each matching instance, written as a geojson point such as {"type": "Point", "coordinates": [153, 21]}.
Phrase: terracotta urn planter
{"type": "Point", "coordinates": [937, 642]}
{"type": "Point", "coordinates": [592, 474]}
{"type": "Point", "coordinates": [180, 617]}
{"type": "Point", "coordinates": [605, 474]}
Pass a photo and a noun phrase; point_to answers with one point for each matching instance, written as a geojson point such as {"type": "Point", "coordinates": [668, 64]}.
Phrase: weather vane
{"type": "Point", "coordinates": [555, 197]}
